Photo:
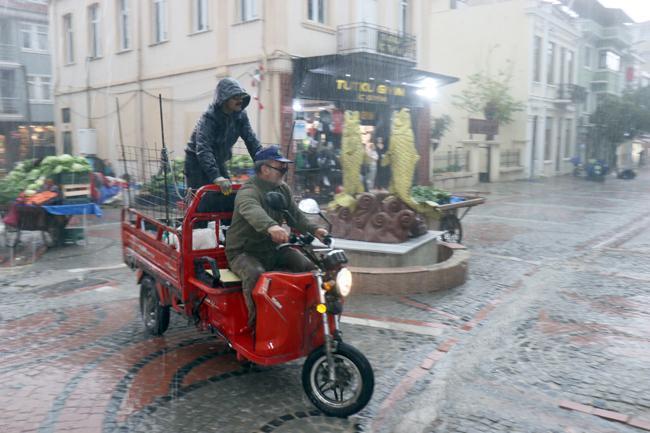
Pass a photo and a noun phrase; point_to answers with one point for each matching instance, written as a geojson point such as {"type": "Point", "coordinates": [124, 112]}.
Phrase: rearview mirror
{"type": "Point", "coordinates": [276, 201]}
{"type": "Point", "coordinates": [309, 206]}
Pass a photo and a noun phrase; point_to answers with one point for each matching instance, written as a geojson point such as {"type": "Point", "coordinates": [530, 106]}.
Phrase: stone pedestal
{"type": "Point", "coordinates": [420, 251]}
{"type": "Point", "coordinates": [420, 265]}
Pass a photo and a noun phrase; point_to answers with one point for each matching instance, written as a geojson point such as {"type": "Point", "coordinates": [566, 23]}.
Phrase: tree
{"type": "Point", "coordinates": [439, 127]}
{"type": "Point", "coordinates": [617, 119]}
{"type": "Point", "coordinates": [489, 96]}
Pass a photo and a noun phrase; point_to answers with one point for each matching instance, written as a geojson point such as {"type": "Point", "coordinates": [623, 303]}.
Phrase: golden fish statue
{"type": "Point", "coordinates": [402, 157]}
{"type": "Point", "coordinates": [352, 154]}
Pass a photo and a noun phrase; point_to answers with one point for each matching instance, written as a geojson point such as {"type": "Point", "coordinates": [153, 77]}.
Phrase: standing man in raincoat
{"type": "Point", "coordinates": [217, 131]}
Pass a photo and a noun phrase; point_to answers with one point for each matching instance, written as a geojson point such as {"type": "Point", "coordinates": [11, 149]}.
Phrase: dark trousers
{"type": "Point", "coordinates": [249, 269]}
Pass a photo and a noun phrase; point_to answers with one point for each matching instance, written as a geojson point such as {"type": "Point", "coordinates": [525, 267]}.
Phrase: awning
{"type": "Point", "coordinates": [363, 78]}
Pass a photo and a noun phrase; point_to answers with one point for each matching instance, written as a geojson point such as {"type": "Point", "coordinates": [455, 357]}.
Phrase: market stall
{"type": "Point", "coordinates": [51, 220]}
{"type": "Point", "coordinates": [43, 195]}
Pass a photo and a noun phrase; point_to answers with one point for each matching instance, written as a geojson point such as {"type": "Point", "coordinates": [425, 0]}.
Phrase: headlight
{"type": "Point", "coordinates": [344, 281]}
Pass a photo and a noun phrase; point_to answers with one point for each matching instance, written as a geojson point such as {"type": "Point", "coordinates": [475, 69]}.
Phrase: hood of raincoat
{"type": "Point", "coordinates": [226, 89]}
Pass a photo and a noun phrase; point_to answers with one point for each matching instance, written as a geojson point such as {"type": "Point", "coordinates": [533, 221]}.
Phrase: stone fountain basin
{"type": "Point", "coordinates": [419, 265]}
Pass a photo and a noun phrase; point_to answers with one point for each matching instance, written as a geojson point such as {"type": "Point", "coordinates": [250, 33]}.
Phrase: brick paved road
{"type": "Point", "coordinates": [549, 335]}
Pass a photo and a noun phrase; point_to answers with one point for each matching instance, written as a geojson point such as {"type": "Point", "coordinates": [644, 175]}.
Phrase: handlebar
{"type": "Point", "coordinates": [303, 240]}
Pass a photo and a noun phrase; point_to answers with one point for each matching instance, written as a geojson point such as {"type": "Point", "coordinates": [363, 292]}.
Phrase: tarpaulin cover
{"type": "Point", "coordinates": [74, 209]}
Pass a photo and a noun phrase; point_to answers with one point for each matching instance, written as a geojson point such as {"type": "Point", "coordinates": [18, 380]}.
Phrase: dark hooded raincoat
{"type": "Point", "coordinates": [210, 146]}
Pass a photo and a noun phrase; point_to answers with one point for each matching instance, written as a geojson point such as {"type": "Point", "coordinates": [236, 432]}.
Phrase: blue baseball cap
{"type": "Point", "coordinates": [271, 153]}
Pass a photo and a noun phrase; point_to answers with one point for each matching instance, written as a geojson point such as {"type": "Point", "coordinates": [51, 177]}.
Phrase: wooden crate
{"type": "Point", "coordinates": [76, 193]}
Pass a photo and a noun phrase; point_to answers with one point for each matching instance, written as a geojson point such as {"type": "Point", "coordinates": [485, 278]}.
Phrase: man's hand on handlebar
{"type": "Point", "coordinates": [321, 233]}
{"type": "Point", "coordinates": [278, 234]}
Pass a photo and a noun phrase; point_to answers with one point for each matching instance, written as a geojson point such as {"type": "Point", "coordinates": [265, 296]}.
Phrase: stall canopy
{"type": "Point", "coordinates": [363, 78]}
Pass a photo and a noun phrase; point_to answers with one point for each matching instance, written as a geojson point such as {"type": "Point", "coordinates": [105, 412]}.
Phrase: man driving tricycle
{"type": "Point", "coordinates": [256, 228]}
{"type": "Point", "coordinates": [297, 311]}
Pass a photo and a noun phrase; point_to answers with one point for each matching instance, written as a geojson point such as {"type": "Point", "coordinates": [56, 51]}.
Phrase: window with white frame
{"type": "Point", "coordinates": [537, 58]}
{"type": "Point", "coordinates": [550, 63]}
{"type": "Point", "coordinates": [5, 33]}
{"type": "Point", "coordinates": [548, 137]}
{"type": "Point", "coordinates": [587, 58]}
{"type": "Point", "coordinates": [368, 11]}
{"type": "Point", "coordinates": [404, 26]}
{"type": "Point", "coordinates": [568, 138]}
{"type": "Point", "coordinates": [561, 79]}
{"type": "Point", "coordinates": [7, 86]}
{"type": "Point", "coordinates": [33, 37]}
{"type": "Point", "coordinates": [316, 11]}
{"type": "Point", "coordinates": [200, 16]}
{"type": "Point", "coordinates": [609, 60]}
{"type": "Point", "coordinates": [39, 88]}
{"type": "Point", "coordinates": [94, 32]}
{"type": "Point", "coordinates": [68, 39]}
{"type": "Point", "coordinates": [124, 24]}
{"type": "Point", "coordinates": [247, 10]}
{"type": "Point", "coordinates": [159, 20]}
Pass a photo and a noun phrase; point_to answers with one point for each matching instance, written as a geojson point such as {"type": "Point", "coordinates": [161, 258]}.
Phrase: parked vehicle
{"type": "Point", "coordinates": [297, 313]}
{"type": "Point", "coordinates": [594, 169]}
{"type": "Point", "coordinates": [626, 174]}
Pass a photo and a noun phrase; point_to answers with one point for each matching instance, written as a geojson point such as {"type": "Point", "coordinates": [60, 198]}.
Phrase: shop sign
{"type": "Point", "coordinates": [389, 44]}
{"type": "Point", "coordinates": [368, 91]}
{"type": "Point", "coordinates": [483, 126]}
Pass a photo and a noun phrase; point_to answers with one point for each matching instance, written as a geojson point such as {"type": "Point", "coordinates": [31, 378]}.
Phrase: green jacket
{"type": "Point", "coordinates": [252, 217]}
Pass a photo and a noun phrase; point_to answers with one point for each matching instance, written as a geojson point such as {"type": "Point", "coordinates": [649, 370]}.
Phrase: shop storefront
{"type": "Point", "coordinates": [19, 141]}
{"type": "Point", "coordinates": [325, 87]}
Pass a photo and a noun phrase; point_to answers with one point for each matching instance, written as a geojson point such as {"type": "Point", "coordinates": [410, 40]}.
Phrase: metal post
{"type": "Point", "coordinates": [84, 226]}
{"type": "Point", "coordinates": [126, 171]}
{"type": "Point", "coordinates": [165, 159]}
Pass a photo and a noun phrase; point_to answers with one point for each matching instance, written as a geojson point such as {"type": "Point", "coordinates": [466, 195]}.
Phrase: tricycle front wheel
{"type": "Point", "coordinates": [352, 388]}
{"type": "Point", "coordinates": [154, 315]}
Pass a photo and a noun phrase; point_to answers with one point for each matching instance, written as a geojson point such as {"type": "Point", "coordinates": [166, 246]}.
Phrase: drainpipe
{"type": "Point", "coordinates": [55, 19]}
{"type": "Point", "coordinates": [89, 110]}
{"type": "Point", "coordinates": [264, 58]}
{"type": "Point", "coordinates": [139, 81]}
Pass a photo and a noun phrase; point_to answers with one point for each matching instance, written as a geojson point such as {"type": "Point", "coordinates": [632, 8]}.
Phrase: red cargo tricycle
{"type": "Point", "coordinates": [298, 314]}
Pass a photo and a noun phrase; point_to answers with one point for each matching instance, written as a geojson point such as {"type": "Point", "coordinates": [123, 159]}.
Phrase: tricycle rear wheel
{"type": "Point", "coordinates": [355, 381]}
{"type": "Point", "coordinates": [154, 315]}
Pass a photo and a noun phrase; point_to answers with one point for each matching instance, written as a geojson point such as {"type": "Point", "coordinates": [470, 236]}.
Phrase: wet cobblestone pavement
{"type": "Point", "coordinates": [549, 334]}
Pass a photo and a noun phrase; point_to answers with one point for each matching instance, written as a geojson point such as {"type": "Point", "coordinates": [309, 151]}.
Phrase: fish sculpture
{"type": "Point", "coordinates": [402, 156]}
{"type": "Point", "coordinates": [352, 154]}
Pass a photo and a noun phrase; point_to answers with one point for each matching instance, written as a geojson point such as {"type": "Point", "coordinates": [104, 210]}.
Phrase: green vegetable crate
{"type": "Point", "coordinates": [75, 194]}
{"type": "Point", "coordinates": [71, 178]}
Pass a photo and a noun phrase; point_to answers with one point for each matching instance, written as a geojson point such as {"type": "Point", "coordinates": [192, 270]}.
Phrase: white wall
{"type": "Point", "coordinates": [186, 67]}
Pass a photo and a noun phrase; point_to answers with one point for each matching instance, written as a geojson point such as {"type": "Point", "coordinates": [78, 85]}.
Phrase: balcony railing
{"type": "Point", "coordinates": [9, 106]}
{"type": "Point", "coordinates": [571, 92]}
{"type": "Point", "coordinates": [591, 27]}
{"type": "Point", "coordinates": [618, 33]}
{"type": "Point", "coordinates": [371, 38]}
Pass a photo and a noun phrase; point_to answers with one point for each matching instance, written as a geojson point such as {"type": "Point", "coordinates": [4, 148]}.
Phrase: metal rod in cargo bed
{"type": "Point", "coordinates": [165, 159]}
